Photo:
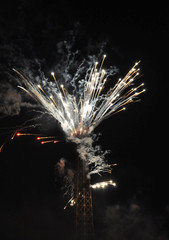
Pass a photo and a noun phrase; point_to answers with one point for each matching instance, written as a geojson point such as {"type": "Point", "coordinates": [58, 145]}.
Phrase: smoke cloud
{"type": "Point", "coordinates": [10, 100]}
{"type": "Point", "coordinates": [131, 222]}
{"type": "Point", "coordinates": [60, 166]}
{"type": "Point", "coordinates": [67, 173]}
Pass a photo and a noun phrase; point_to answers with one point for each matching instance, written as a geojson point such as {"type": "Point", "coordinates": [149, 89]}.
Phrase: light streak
{"type": "Point", "coordinates": [49, 141]}
{"type": "Point", "coordinates": [2, 147]}
{"type": "Point", "coordinates": [15, 132]}
{"type": "Point", "coordinates": [13, 135]}
{"type": "Point", "coordinates": [18, 134]}
{"type": "Point", "coordinates": [71, 202]}
{"type": "Point", "coordinates": [10, 137]}
{"type": "Point", "coordinates": [45, 137]}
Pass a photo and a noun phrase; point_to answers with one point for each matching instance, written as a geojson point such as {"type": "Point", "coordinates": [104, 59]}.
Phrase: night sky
{"type": "Point", "coordinates": [31, 199]}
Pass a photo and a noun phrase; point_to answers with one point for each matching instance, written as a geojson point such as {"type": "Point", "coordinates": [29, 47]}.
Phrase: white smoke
{"type": "Point", "coordinates": [130, 221]}
{"type": "Point", "coordinates": [93, 157]}
{"type": "Point", "coordinates": [61, 166]}
{"type": "Point", "coordinates": [11, 101]}
{"type": "Point", "coordinates": [67, 173]}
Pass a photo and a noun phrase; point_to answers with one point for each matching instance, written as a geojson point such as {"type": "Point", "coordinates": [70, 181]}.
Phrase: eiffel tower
{"type": "Point", "coordinates": [84, 209]}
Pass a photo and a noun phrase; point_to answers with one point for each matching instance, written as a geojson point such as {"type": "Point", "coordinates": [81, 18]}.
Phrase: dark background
{"type": "Point", "coordinates": [31, 201]}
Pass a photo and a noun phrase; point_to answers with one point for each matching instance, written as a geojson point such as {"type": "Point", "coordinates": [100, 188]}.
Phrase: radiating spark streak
{"type": "Point", "coordinates": [13, 135]}
{"type": "Point", "coordinates": [71, 201]}
{"type": "Point", "coordinates": [110, 167]}
{"type": "Point", "coordinates": [53, 75]}
{"type": "Point", "coordinates": [39, 86]}
{"type": "Point", "coordinates": [2, 147]}
{"type": "Point", "coordinates": [27, 92]}
{"type": "Point", "coordinates": [49, 141]}
{"type": "Point", "coordinates": [18, 134]}
{"type": "Point", "coordinates": [46, 137]}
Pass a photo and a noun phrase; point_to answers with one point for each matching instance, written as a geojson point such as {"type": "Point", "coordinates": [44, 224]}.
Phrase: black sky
{"type": "Point", "coordinates": [31, 201]}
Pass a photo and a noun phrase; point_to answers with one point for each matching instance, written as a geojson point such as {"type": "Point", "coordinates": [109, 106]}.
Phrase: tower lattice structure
{"type": "Point", "coordinates": [84, 208]}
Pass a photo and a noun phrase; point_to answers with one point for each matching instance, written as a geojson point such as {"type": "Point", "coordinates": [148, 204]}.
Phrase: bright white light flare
{"type": "Point", "coordinates": [103, 184]}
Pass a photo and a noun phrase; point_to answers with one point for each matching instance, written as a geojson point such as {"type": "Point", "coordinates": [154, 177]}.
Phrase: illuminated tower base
{"type": "Point", "coordinates": [84, 209]}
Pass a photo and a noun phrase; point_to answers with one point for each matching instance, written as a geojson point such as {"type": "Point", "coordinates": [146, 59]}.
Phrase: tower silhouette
{"type": "Point", "coordinates": [84, 208]}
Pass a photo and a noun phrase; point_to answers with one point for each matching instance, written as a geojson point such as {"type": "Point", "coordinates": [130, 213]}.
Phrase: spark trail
{"type": "Point", "coordinates": [80, 111]}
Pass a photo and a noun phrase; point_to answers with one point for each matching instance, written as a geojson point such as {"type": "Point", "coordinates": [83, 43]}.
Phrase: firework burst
{"type": "Point", "coordinates": [79, 116]}
{"type": "Point", "coordinates": [80, 111]}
